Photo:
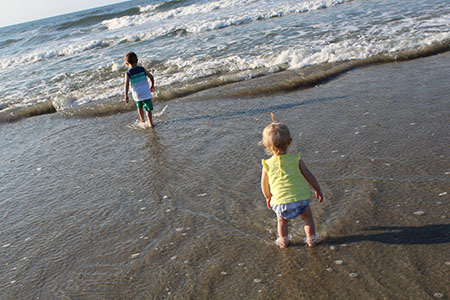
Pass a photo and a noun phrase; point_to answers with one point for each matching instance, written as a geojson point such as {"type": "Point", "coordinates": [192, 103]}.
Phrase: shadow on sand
{"type": "Point", "coordinates": [398, 235]}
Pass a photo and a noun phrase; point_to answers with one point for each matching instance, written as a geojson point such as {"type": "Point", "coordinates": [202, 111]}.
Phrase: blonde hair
{"type": "Point", "coordinates": [276, 137]}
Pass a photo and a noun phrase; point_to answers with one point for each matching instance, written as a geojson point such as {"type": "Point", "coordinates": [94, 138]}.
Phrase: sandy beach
{"type": "Point", "coordinates": [176, 212]}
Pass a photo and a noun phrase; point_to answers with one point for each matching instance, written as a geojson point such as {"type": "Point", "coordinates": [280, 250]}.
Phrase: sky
{"type": "Point", "coordinates": [19, 11]}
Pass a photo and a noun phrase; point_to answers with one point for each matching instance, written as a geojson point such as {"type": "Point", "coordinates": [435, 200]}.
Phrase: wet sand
{"type": "Point", "coordinates": [94, 209]}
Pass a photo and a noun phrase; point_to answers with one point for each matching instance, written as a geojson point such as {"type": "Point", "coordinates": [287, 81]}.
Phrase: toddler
{"type": "Point", "coordinates": [284, 183]}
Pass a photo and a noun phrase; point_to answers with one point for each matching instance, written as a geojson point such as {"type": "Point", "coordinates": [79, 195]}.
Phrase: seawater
{"type": "Point", "coordinates": [68, 61]}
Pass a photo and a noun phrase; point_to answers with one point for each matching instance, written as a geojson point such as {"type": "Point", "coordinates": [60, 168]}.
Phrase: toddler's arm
{"type": "Point", "coordinates": [265, 187]}
{"type": "Point", "coordinates": [311, 180]}
{"type": "Point", "coordinates": [126, 87]}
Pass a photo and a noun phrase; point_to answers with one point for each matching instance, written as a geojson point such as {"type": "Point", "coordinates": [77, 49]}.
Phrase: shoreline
{"type": "Point", "coordinates": [281, 82]}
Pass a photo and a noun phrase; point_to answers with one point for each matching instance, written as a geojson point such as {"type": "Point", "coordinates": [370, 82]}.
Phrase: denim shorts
{"type": "Point", "coordinates": [291, 210]}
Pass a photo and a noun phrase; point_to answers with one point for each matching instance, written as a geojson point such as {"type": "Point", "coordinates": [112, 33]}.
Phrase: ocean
{"type": "Point", "coordinates": [95, 207]}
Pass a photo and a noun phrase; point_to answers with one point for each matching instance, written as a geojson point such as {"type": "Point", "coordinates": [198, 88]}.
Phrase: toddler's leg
{"type": "Point", "coordinates": [283, 239]}
{"type": "Point", "coordinates": [310, 228]}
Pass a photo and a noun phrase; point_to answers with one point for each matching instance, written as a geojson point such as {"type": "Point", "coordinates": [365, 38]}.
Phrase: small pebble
{"type": "Point", "coordinates": [179, 229]}
{"type": "Point", "coordinates": [419, 213]}
{"type": "Point", "coordinates": [6, 245]}
{"type": "Point", "coordinates": [173, 257]}
{"type": "Point", "coordinates": [202, 195]}
{"type": "Point", "coordinates": [442, 194]}
{"type": "Point", "coordinates": [165, 197]}
{"type": "Point", "coordinates": [447, 263]}
{"type": "Point", "coordinates": [438, 295]}
{"type": "Point", "coordinates": [257, 280]}
{"type": "Point", "coordinates": [142, 208]}
{"type": "Point", "coordinates": [353, 275]}
{"type": "Point", "coordinates": [135, 255]}
{"type": "Point", "coordinates": [223, 273]}
{"type": "Point", "coordinates": [329, 269]}
{"type": "Point", "coordinates": [338, 262]}
{"type": "Point", "coordinates": [439, 203]}
{"type": "Point", "coordinates": [332, 247]}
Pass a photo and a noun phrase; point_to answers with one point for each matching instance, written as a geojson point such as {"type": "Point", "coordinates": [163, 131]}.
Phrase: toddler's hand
{"type": "Point", "coordinates": [268, 204]}
{"type": "Point", "coordinates": [152, 89]}
{"type": "Point", "coordinates": [126, 99]}
{"type": "Point", "coordinates": [319, 196]}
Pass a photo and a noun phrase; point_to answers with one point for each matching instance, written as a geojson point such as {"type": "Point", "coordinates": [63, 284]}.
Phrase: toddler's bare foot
{"type": "Point", "coordinates": [283, 242]}
{"type": "Point", "coordinates": [312, 242]}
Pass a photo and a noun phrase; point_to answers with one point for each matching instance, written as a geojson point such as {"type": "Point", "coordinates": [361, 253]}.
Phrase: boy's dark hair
{"type": "Point", "coordinates": [131, 58]}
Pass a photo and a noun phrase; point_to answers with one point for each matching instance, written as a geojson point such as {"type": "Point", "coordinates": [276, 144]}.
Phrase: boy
{"type": "Point", "coordinates": [140, 89]}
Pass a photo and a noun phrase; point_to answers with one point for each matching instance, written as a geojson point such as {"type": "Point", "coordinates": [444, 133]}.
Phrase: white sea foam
{"type": "Point", "coordinates": [244, 12]}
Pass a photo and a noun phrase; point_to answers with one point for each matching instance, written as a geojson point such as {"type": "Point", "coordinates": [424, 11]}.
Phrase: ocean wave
{"type": "Point", "coordinates": [95, 19]}
{"type": "Point", "coordinates": [243, 14]}
{"type": "Point", "coordinates": [17, 112]}
{"type": "Point", "coordinates": [46, 54]}
{"type": "Point", "coordinates": [265, 81]}
{"type": "Point", "coordinates": [9, 42]}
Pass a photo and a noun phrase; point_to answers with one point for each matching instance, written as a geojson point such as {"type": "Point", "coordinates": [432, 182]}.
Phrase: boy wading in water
{"type": "Point", "coordinates": [284, 183]}
{"type": "Point", "coordinates": [136, 77]}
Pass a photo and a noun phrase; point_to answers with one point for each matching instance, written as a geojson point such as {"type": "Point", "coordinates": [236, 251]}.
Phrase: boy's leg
{"type": "Point", "coordinates": [310, 228]}
{"type": "Point", "coordinates": [282, 226]}
{"type": "Point", "coordinates": [141, 114]}
{"type": "Point", "coordinates": [149, 117]}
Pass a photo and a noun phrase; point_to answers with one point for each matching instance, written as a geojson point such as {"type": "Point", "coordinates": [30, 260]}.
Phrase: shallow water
{"type": "Point", "coordinates": [93, 208]}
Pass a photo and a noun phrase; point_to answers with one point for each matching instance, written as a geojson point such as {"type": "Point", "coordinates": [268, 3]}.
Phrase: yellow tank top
{"type": "Point", "coordinates": [286, 181]}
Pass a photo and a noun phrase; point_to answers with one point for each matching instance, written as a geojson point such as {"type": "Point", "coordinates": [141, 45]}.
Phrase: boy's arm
{"type": "Point", "coordinates": [126, 87]}
{"type": "Point", "coordinates": [311, 180]}
{"type": "Point", "coordinates": [149, 75]}
{"type": "Point", "coordinates": [265, 187]}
